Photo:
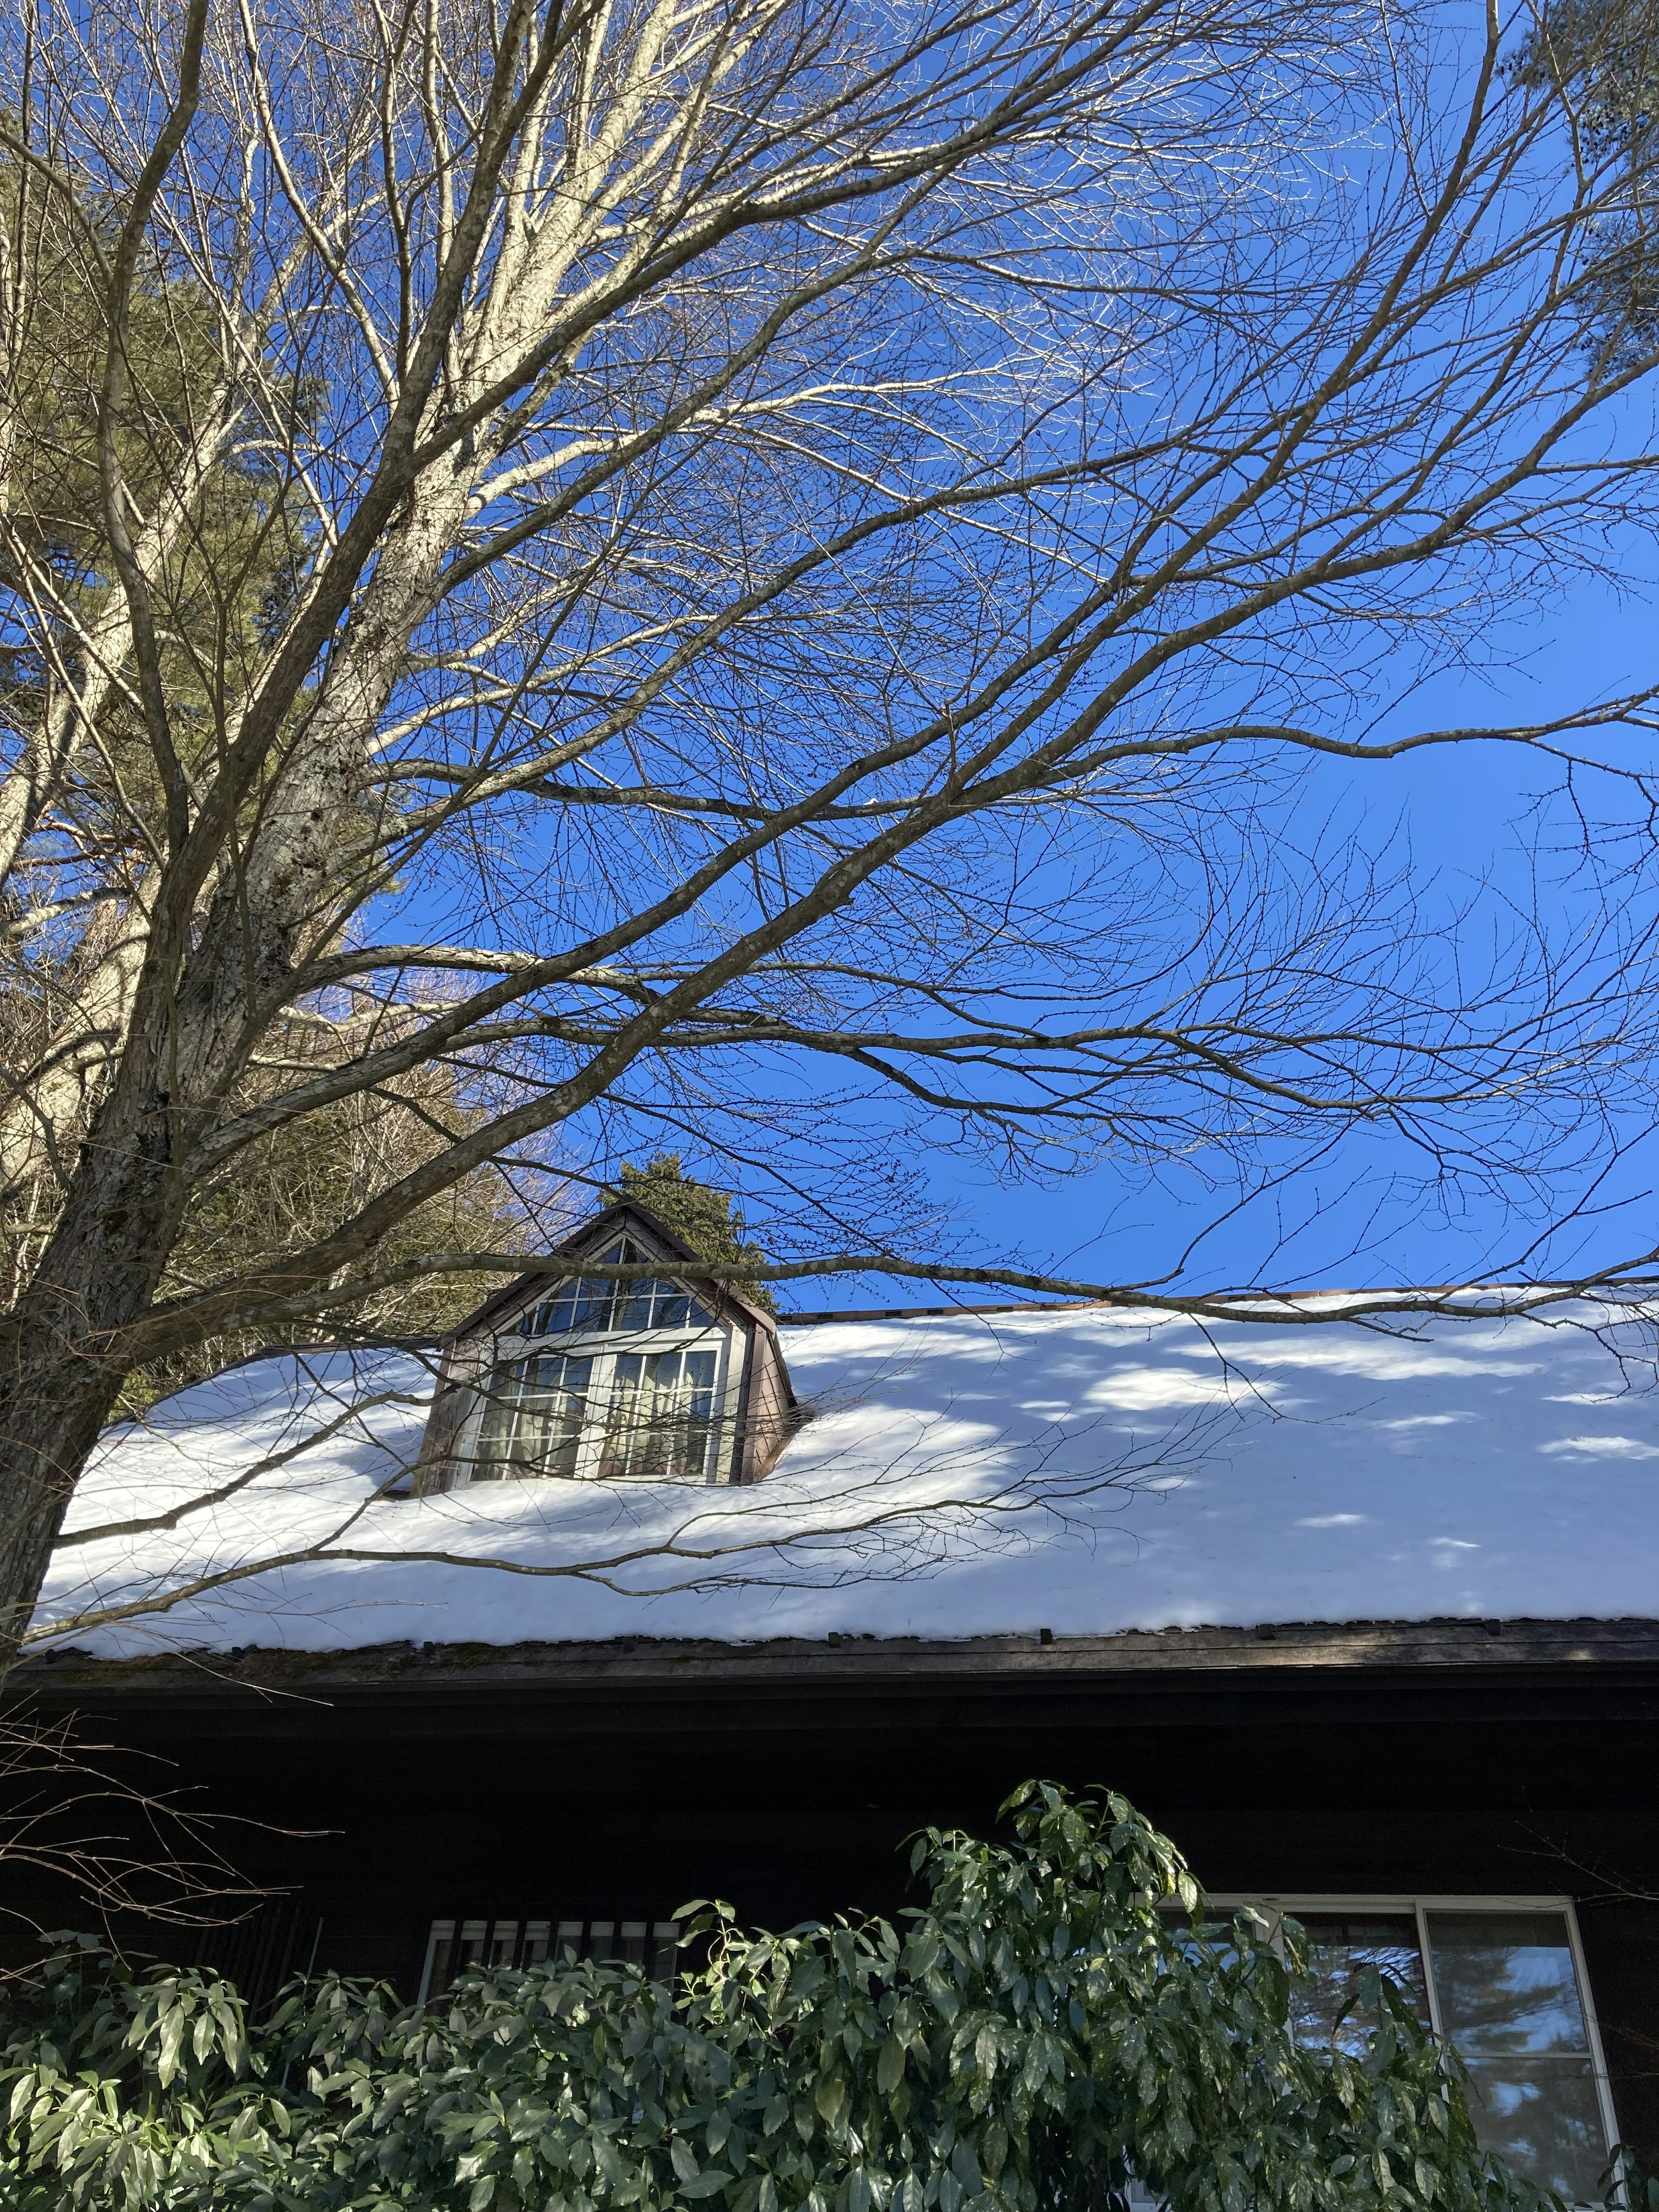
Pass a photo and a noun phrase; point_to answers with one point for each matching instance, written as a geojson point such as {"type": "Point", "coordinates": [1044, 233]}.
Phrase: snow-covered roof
{"type": "Point", "coordinates": [1083, 1469]}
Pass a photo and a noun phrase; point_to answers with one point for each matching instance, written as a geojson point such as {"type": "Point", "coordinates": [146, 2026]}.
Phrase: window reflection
{"type": "Point", "coordinates": [1340, 1947]}
{"type": "Point", "coordinates": [1510, 2004]}
{"type": "Point", "coordinates": [1505, 1994]}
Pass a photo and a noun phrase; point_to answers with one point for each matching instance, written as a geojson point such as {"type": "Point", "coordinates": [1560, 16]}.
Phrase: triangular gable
{"type": "Point", "coordinates": [623, 1218]}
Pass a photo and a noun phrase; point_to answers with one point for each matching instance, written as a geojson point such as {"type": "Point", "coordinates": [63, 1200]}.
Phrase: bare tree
{"type": "Point", "coordinates": [688, 550]}
{"type": "Point", "coordinates": [93, 1823]}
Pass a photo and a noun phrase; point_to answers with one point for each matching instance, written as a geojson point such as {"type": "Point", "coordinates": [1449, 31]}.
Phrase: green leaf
{"type": "Point", "coordinates": [890, 2067]}
{"type": "Point", "coordinates": [830, 2097]}
{"type": "Point", "coordinates": [172, 2037]}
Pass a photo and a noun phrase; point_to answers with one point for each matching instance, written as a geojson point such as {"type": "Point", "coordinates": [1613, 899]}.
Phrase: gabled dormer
{"type": "Point", "coordinates": [571, 1377]}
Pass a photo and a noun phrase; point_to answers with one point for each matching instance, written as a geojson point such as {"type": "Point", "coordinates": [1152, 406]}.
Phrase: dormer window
{"type": "Point", "coordinates": [595, 1306]}
{"type": "Point", "coordinates": [534, 1416]}
{"type": "Point", "coordinates": [655, 1379]}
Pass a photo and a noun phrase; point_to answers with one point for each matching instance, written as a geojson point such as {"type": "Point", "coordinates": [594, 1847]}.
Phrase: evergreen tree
{"type": "Point", "coordinates": [705, 1219]}
{"type": "Point", "coordinates": [1605, 53]}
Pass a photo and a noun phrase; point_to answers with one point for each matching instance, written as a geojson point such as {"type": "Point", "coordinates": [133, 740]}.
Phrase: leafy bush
{"type": "Point", "coordinates": [1056, 2018]}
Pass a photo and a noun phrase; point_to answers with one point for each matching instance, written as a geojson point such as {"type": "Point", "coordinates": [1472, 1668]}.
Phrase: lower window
{"type": "Point", "coordinates": [1503, 1982]}
{"type": "Point", "coordinates": [452, 1945]}
{"type": "Point", "coordinates": [662, 1412]}
{"type": "Point", "coordinates": [533, 1418]}
{"type": "Point", "coordinates": [644, 1416]}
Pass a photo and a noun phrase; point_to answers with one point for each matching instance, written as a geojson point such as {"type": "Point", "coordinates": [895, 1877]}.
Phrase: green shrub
{"type": "Point", "coordinates": [1056, 2017]}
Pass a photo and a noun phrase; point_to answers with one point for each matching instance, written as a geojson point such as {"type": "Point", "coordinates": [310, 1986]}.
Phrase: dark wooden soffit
{"type": "Point", "coordinates": [1286, 1651]}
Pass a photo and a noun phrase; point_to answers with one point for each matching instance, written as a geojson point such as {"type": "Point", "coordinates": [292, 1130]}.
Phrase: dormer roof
{"type": "Point", "coordinates": [623, 1218]}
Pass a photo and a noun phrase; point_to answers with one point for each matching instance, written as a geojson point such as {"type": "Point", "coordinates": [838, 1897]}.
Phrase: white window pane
{"type": "Point", "coordinates": [1510, 2005]}
{"type": "Point", "coordinates": [1506, 1983]}
{"type": "Point", "coordinates": [1340, 1947]}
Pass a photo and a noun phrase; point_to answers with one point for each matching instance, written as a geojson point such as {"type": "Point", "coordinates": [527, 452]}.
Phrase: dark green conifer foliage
{"type": "Point", "coordinates": [1605, 54]}
{"type": "Point", "coordinates": [706, 1219]}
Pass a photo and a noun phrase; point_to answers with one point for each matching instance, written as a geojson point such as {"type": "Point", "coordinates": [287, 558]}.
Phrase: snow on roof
{"type": "Point", "coordinates": [1082, 1469]}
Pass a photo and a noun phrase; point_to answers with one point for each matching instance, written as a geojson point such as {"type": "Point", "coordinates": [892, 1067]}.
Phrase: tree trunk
{"type": "Point", "coordinates": [61, 1360]}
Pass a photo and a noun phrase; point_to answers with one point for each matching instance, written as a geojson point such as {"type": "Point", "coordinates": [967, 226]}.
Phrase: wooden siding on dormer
{"type": "Point", "coordinates": [768, 1417]}
{"type": "Point", "coordinates": [437, 1467]}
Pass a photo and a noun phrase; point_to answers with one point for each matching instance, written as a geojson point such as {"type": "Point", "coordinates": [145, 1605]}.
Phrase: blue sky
{"type": "Point", "coordinates": [1465, 812]}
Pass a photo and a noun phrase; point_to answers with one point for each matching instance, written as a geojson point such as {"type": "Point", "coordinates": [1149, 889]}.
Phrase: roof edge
{"type": "Point", "coordinates": [1460, 1644]}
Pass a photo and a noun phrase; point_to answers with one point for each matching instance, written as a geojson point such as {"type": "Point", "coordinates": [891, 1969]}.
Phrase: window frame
{"type": "Point", "coordinates": [507, 1346]}
{"type": "Point", "coordinates": [509, 1940]}
{"type": "Point", "coordinates": [1279, 1904]}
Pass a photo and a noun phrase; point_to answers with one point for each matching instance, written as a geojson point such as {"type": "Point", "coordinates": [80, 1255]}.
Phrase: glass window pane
{"type": "Point", "coordinates": [1510, 2005]}
{"type": "Point", "coordinates": [1194, 1942]}
{"type": "Point", "coordinates": [611, 1304]}
{"type": "Point", "coordinates": [1543, 2118]}
{"type": "Point", "coordinates": [499, 1425]}
{"type": "Point", "coordinates": [601, 1940]}
{"type": "Point", "coordinates": [1505, 1982]}
{"type": "Point", "coordinates": [587, 1306]}
{"type": "Point", "coordinates": [637, 1304]}
{"type": "Point", "coordinates": [661, 1411]}
{"type": "Point", "coordinates": [665, 1949]}
{"type": "Point", "coordinates": [1340, 1946]}
{"type": "Point", "coordinates": [534, 1417]}
{"type": "Point", "coordinates": [561, 1407]}
{"type": "Point", "coordinates": [699, 1384]}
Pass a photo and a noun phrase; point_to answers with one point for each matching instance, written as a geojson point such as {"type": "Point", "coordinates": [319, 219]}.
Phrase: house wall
{"type": "Point", "coordinates": [452, 1785]}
